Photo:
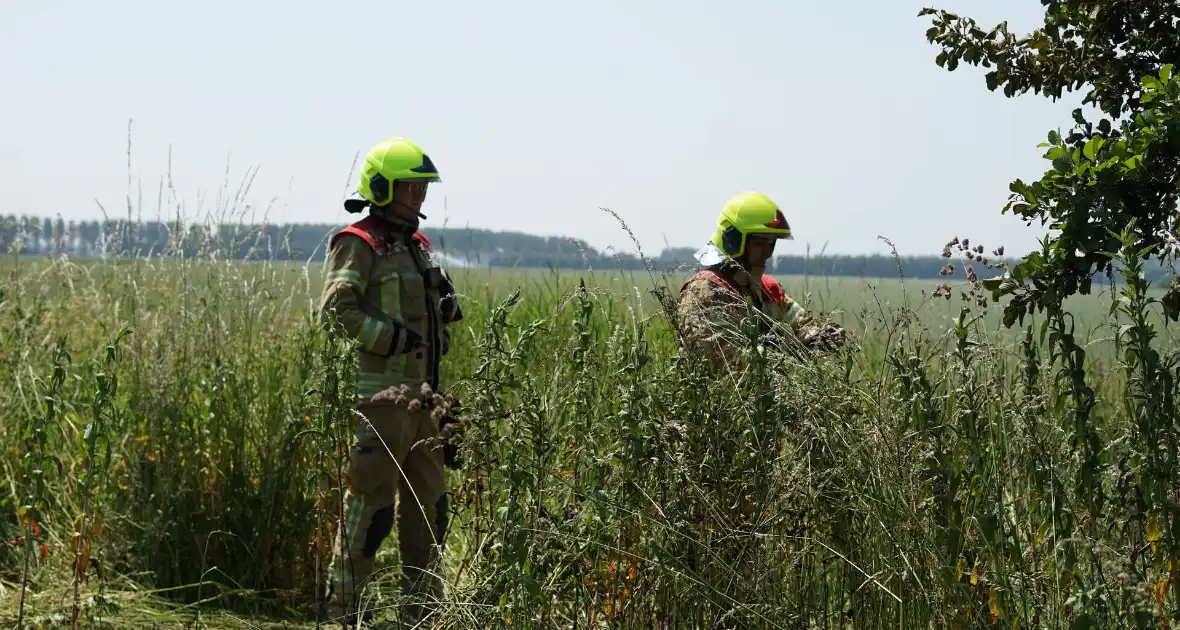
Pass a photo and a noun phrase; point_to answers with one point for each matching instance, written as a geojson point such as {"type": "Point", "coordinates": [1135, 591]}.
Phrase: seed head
{"type": "Point", "coordinates": [395, 394]}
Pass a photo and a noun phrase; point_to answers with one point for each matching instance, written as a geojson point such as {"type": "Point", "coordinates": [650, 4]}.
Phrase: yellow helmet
{"type": "Point", "coordinates": [393, 160]}
{"type": "Point", "coordinates": [745, 214]}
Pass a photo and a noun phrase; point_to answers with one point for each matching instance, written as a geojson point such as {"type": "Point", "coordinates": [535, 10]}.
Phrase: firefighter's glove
{"type": "Point", "coordinates": [449, 305]}
{"type": "Point", "coordinates": [825, 338]}
{"type": "Point", "coordinates": [404, 340]}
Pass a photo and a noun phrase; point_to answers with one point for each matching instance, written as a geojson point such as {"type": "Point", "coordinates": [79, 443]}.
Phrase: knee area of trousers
{"type": "Point", "coordinates": [379, 528]}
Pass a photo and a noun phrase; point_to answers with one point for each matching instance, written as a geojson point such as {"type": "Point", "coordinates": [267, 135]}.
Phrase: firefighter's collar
{"type": "Point", "coordinates": [713, 258]}
{"type": "Point", "coordinates": [396, 224]}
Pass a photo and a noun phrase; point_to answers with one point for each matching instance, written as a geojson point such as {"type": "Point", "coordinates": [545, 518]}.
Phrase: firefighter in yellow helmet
{"type": "Point", "coordinates": [383, 289]}
{"type": "Point", "coordinates": [713, 301]}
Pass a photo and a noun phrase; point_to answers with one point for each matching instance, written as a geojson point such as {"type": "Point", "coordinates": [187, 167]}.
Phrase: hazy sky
{"type": "Point", "coordinates": [537, 113]}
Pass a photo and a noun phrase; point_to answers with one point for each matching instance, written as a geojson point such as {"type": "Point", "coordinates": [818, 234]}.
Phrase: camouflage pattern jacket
{"type": "Point", "coordinates": [385, 290]}
{"type": "Point", "coordinates": [713, 304]}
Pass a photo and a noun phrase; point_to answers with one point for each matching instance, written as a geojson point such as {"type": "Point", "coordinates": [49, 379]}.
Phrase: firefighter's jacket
{"type": "Point", "coordinates": [715, 301]}
{"type": "Point", "coordinates": [387, 292]}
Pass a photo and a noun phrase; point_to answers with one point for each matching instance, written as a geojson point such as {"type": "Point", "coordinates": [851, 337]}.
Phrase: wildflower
{"type": "Point", "coordinates": [971, 277]}
{"type": "Point", "coordinates": [415, 404]}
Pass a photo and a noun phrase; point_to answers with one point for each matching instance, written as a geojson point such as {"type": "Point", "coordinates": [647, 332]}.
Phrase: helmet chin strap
{"type": "Point", "coordinates": [418, 212]}
{"type": "Point", "coordinates": [747, 272]}
{"type": "Point", "coordinates": [386, 213]}
{"type": "Point", "coordinates": [754, 271]}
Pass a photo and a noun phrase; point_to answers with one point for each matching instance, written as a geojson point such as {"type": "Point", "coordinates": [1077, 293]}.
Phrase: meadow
{"type": "Point", "coordinates": [174, 433]}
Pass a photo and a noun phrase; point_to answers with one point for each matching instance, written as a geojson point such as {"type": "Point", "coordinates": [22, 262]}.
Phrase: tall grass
{"type": "Point", "coordinates": [176, 433]}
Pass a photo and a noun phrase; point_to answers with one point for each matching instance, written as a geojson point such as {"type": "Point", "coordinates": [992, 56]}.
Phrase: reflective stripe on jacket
{"type": "Point", "coordinates": [385, 290]}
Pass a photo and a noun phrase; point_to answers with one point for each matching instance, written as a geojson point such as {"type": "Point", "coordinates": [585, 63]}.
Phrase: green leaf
{"type": "Point", "coordinates": [1171, 303]}
{"type": "Point", "coordinates": [1054, 137]}
{"type": "Point", "coordinates": [1063, 164]}
{"type": "Point", "coordinates": [1092, 147]}
{"type": "Point", "coordinates": [1010, 313]}
{"type": "Point", "coordinates": [1166, 73]}
{"type": "Point", "coordinates": [989, 525]}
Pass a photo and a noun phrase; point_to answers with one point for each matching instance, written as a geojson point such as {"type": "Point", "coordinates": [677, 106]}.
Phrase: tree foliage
{"type": "Point", "coordinates": [1122, 171]}
{"type": "Point", "coordinates": [1106, 46]}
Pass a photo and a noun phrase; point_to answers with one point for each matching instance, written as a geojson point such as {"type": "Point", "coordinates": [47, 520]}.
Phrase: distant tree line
{"type": "Point", "coordinates": [33, 236]}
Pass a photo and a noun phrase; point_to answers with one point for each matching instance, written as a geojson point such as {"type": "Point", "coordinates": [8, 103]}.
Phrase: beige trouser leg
{"type": "Point", "coordinates": [393, 454]}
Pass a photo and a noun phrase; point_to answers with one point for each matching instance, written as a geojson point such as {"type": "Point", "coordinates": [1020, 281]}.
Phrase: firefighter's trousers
{"type": "Point", "coordinates": [396, 453]}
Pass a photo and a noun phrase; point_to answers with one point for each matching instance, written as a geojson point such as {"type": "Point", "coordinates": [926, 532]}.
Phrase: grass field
{"type": "Point", "coordinates": [173, 433]}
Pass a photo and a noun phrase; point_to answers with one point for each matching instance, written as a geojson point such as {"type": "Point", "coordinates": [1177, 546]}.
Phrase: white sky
{"type": "Point", "coordinates": [537, 113]}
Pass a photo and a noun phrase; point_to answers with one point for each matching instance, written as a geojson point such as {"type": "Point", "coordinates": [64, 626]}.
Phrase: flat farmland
{"type": "Point", "coordinates": [175, 432]}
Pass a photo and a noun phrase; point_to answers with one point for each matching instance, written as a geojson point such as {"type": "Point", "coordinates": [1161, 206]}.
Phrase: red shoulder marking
{"type": "Point", "coordinates": [425, 241]}
{"type": "Point", "coordinates": [366, 229]}
{"type": "Point", "coordinates": [712, 276]}
{"type": "Point", "coordinates": [773, 289]}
